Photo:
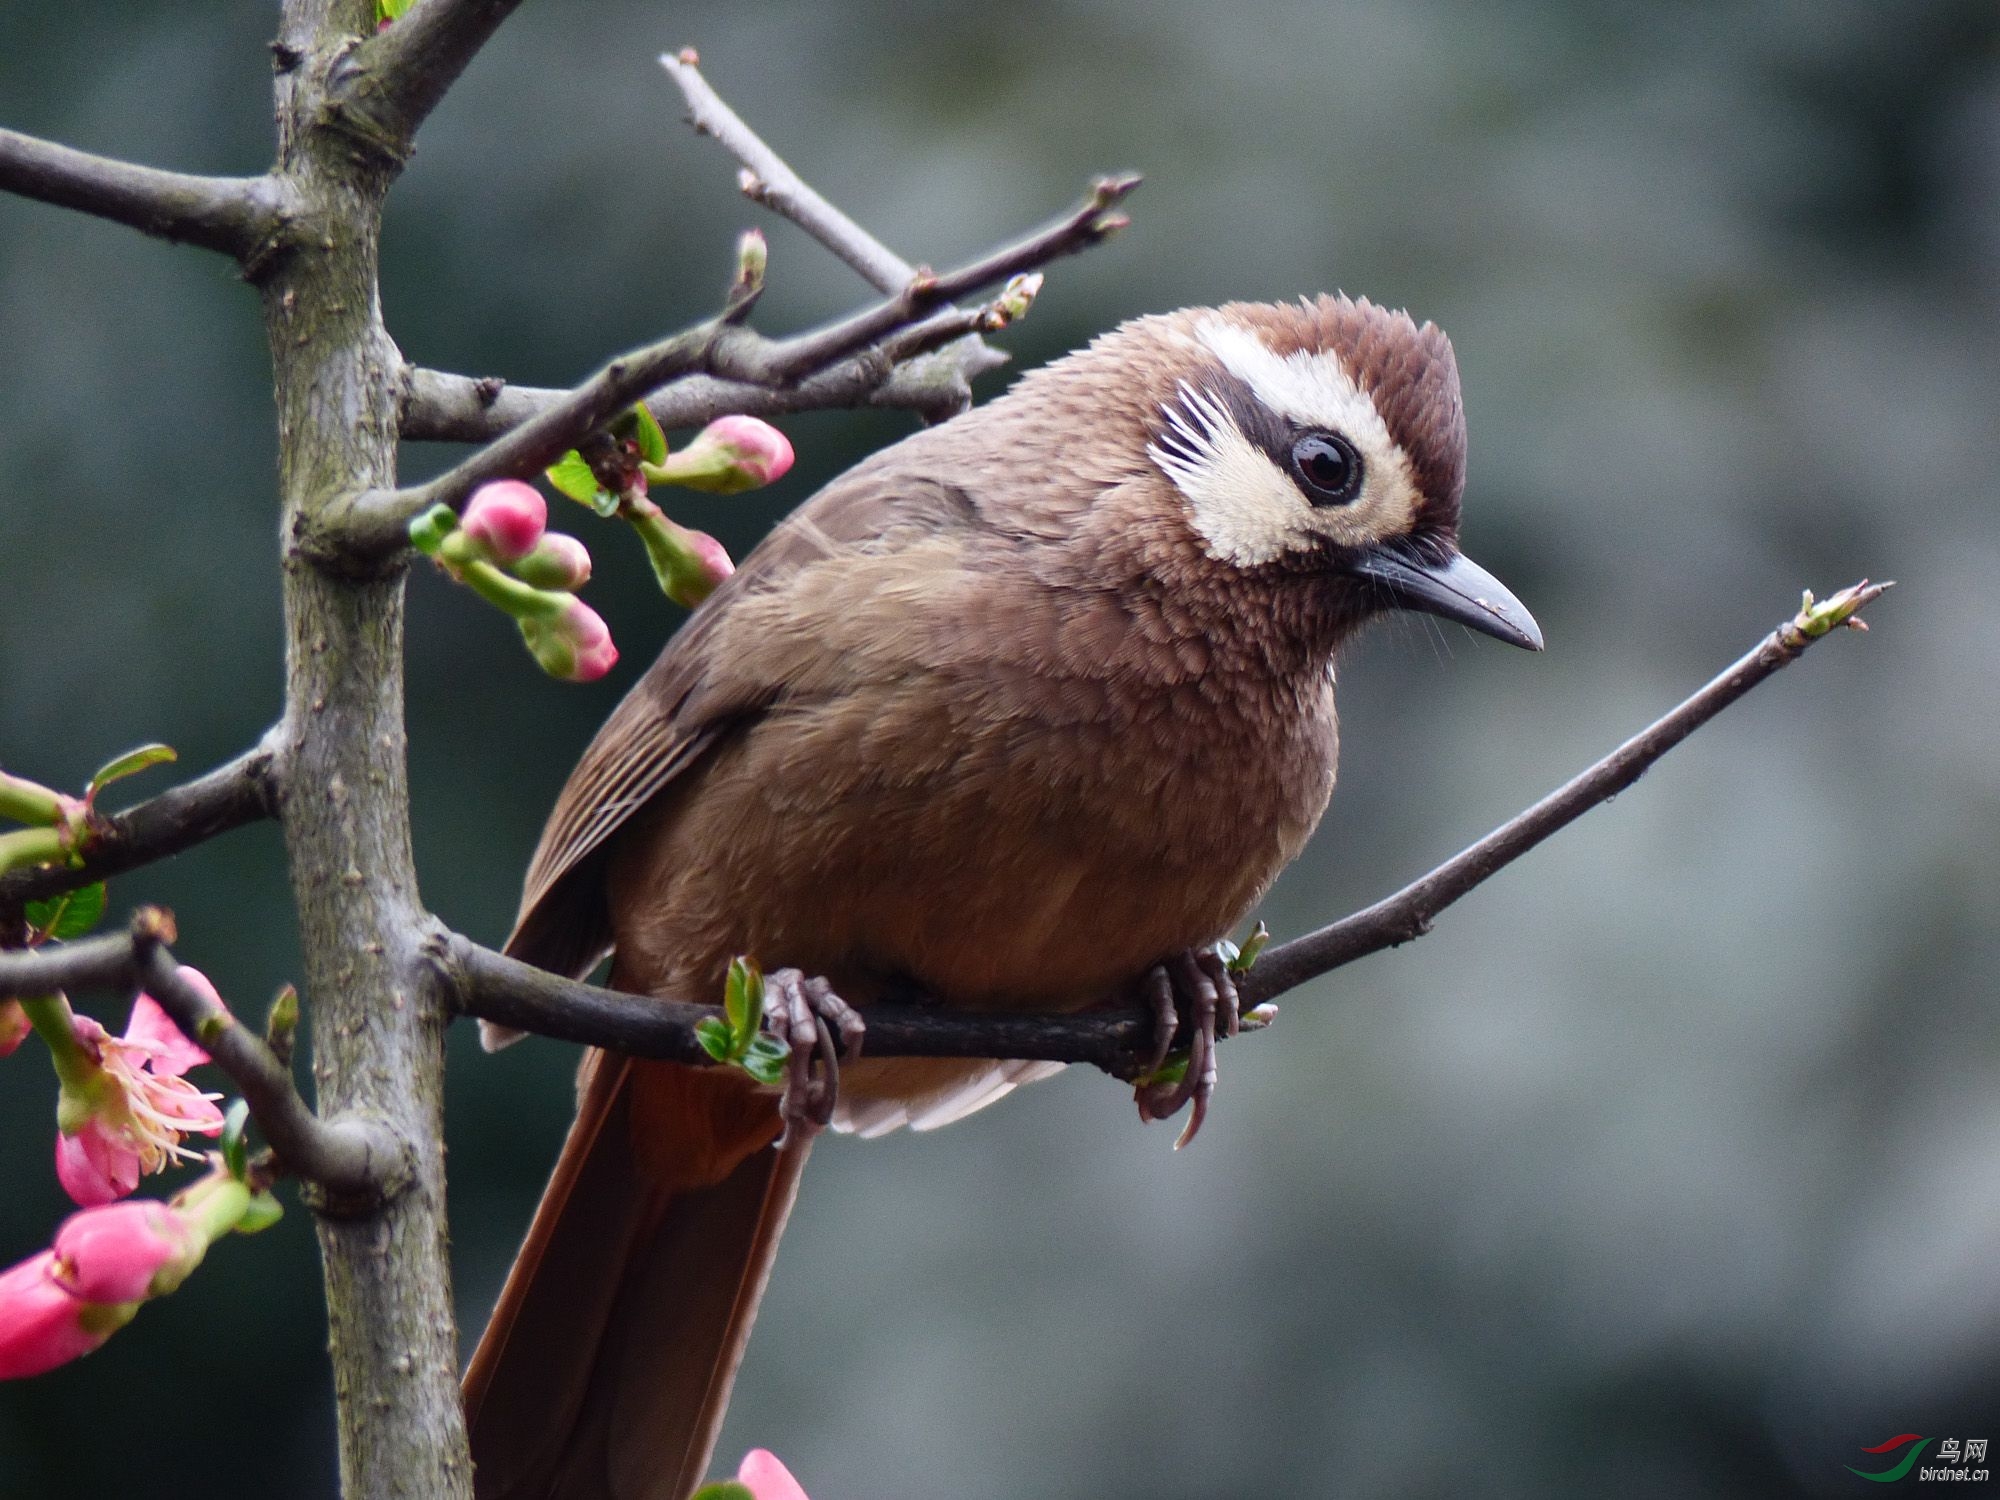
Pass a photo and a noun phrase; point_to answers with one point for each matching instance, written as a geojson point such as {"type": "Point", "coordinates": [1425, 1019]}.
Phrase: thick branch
{"type": "Point", "coordinates": [386, 88]}
{"type": "Point", "coordinates": [242, 791]}
{"type": "Point", "coordinates": [503, 990]}
{"type": "Point", "coordinates": [915, 320]}
{"type": "Point", "coordinates": [355, 1160]}
{"type": "Point", "coordinates": [241, 217]}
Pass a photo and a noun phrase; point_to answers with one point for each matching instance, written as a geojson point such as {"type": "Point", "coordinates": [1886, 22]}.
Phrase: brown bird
{"type": "Point", "coordinates": [1022, 712]}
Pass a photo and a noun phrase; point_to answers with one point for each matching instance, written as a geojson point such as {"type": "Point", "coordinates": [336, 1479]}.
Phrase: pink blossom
{"type": "Point", "coordinates": [767, 1479]}
{"type": "Point", "coordinates": [42, 1323]}
{"type": "Point", "coordinates": [711, 563]}
{"type": "Point", "coordinates": [505, 519]}
{"type": "Point", "coordinates": [131, 1119]}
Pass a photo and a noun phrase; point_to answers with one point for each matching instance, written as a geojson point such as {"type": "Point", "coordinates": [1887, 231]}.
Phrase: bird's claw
{"type": "Point", "coordinates": [1200, 977]}
{"type": "Point", "coordinates": [802, 1011]}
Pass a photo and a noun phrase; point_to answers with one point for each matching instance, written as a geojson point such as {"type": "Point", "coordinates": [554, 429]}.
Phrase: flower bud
{"type": "Point", "coordinates": [766, 1478]}
{"type": "Point", "coordinates": [41, 1324]}
{"type": "Point", "coordinates": [14, 1026]}
{"type": "Point", "coordinates": [505, 519]}
{"type": "Point", "coordinates": [121, 1251]}
{"type": "Point", "coordinates": [728, 456]}
{"type": "Point", "coordinates": [574, 644]}
{"type": "Point", "coordinates": [558, 562]}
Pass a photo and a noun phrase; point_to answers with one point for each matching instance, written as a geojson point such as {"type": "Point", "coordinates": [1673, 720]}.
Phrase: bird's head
{"type": "Point", "coordinates": [1323, 441]}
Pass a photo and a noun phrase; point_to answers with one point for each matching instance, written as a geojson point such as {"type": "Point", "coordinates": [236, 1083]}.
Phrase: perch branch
{"type": "Point", "coordinates": [352, 1160]}
{"type": "Point", "coordinates": [240, 792]}
{"type": "Point", "coordinates": [514, 994]}
{"type": "Point", "coordinates": [241, 217]}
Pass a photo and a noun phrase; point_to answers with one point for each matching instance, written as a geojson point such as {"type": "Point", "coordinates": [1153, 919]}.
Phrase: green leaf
{"type": "Point", "coordinates": [723, 1489]}
{"type": "Point", "coordinates": [652, 442]}
{"type": "Point", "coordinates": [604, 503]}
{"type": "Point", "coordinates": [572, 476]}
{"type": "Point", "coordinates": [131, 763]}
{"type": "Point", "coordinates": [714, 1038]}
{"type": "Point", "coordinates": [390, 10]}
{"type": "Point", "coordinates": [69, 915]}
{"type": "Point", "coordinates": [743, 1000]}
{"type": "Point", "coordinates": [235, 1155]}
{"type": "Point", "coordinates": [260, 1213]}
{"type": "Point", "coordinates": [1253, 948]}
{"type": "Point", "coordinates": [1173, 1070]}
{"type": "Point", "coordinates": [764, 1060]}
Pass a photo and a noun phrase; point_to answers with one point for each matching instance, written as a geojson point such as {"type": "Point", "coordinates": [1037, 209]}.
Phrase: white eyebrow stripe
{"type": "Point", "coordinates": [1311, 387]}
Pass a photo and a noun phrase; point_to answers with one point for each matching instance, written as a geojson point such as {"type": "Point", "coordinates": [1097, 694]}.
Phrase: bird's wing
{"type": "Point", "coordinates": [690, 699]}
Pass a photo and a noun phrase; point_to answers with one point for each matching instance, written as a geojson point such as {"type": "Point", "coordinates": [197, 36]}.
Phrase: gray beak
{"type": "Point", "coordinates": [1456, 588]}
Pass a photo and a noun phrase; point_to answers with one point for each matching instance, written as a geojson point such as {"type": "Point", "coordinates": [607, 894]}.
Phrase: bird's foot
{"type": "Point", "coordinates": [1201, 978]}
{"type": "Point", "coordinates": [802, 1011]}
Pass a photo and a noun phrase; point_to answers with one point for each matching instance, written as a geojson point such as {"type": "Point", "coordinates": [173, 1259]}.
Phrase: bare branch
{"type": "Point", "coordinates": [768, 180]}
{"type": "Point", "coordinates": [917, 319]}
{"type": "Point", "coordinates": [352, 1161]}
{"type": "Point", "coordinates": [440, 407]}
{"type": "Point", "coordinates": [386, 88]}
{"type": "Point", "coordinates": [500, 989]}
{"type": "Point", "coordinates": [1408, 914]}
{"type": "Point", "coordinates": [242, 791]}
{"type": "Point", "coordinates": [241, 217]}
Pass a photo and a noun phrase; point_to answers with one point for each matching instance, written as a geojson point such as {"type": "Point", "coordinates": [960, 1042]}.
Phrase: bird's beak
{"type": "Point", "coordinates": [1455, 587]}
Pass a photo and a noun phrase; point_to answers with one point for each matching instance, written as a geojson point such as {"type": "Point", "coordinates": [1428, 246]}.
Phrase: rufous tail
{"type": "Point", "coordinates": [606, 1368]}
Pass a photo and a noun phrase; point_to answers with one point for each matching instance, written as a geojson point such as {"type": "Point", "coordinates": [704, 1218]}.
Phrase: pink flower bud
{"type": "Point", "coordinates": [759, 449]}
{"type": "Point", "coordinates": [711, 563]}
{"type": "Point", "coordinates": [42, 1324]}
{"type": "Point", "coordinates": [96, 1165]}
{"type": "Point", "coordinates": [728, 456]}
{"type": "Point", "coordinates": [558, 562]}
{"type": "Point", "coordinates": [574, 645]}
{"type": "Point", "coordinates": [766, 1478]}
{"type": "Point", "coordinates": [505, 519]}
{"type": "Point", "coordinates": [117, 1253]}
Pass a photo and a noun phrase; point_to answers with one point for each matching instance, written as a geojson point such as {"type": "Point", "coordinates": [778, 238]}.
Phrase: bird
{"type": "Point", "coordinates": [1023, 711]}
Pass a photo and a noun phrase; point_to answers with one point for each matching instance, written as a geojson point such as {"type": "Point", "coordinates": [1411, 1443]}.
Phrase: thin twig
{"type": "Point", "coordinates": [242, 791]}
{"type": "Point", "coordinates": [241, 217]}
{"type": "Point", "coordinates": [768, 180]}
{"type": "Point", "coordinates": [352, 1161]}
{"type": "Point", "coordinates": [514, 994]}
{"type": "Point", "coordinates": [383, 90]}
{"type": "Point", "coordinates": [913, 321]}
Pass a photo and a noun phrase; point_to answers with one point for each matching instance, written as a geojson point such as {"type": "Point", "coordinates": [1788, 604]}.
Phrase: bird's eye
{"type": "Point", "coordinates": [1328, 468]}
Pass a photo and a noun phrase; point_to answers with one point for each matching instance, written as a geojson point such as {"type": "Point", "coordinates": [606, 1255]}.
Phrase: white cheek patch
{"type": "Point", "coordinates": [1313, 390]}
{"type": "Point", "coordinates": [1245, 508]}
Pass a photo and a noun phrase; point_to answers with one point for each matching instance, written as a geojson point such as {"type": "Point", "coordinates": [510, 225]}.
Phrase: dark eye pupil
{"type": "Point", "coordinates": [1329, 468]}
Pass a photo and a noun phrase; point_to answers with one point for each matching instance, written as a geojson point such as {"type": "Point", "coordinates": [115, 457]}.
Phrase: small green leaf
{"type": "Point", "coordinates": [391, 10]}
{"type": "Point", "coordinates": [131, 763]}
{"type": "Point", "coordinates": [1173, 1070]}
{"type": "Point", "coordinates": [429, 530]}
{"type": "Point", "coordinates": [1253, 948]}
{"type": "Point", "coordinates": [69, 915]}
{"type": "Point", "coordinates": [605, 503]}
{"type": "Point", "coordinates": [235, 1155]}
{"type": "Point", "coordinates": [764, 1060]}
{"type": "Point", "coordinates": [723, 1489]}
{"type": "Point", "coordinates": [260, 1213]}
{"type": "Point", "coordinates": [572, 476]}
{"type": "Point", "coordinates": [638, 425]}
{"type": "Point", "coordinates": [714, 1038]}
{"type": "Point", "coordinates": [743, 1000]}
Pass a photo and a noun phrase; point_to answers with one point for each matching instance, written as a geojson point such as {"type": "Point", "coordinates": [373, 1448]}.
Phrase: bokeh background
{"type": "Point", "coordinates": [1669, 1165]}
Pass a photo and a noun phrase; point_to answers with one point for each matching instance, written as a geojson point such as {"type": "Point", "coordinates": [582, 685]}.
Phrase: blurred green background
{"type": "Point", "coordinates": [1669, 1165]}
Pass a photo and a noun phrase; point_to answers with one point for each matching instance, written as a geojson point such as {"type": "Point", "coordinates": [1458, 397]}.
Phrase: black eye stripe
{"type": "Point", "coordinates": [1340, 477]}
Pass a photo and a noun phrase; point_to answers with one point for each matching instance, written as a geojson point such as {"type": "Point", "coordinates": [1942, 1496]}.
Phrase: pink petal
{"type": "Point", "coordinates": [150, 1027]}
{"type": "Point", "coordinates": [94, 1166]}
{"type": "Point", "coordinates": [111, 1254]}
{"type": "Point", "coordinates": [41, 1324]}
{"type": "Point", "coordinates": [506, 518]}
{"type": "Point", "coordinates": [766, 1478]}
